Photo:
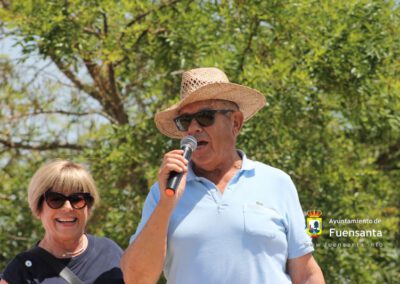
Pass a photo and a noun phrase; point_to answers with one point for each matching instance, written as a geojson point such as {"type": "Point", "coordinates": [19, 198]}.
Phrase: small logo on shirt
{"type": "Point", "coordinates": [28, 263]}
{"type": "Point", "coordinates": [314, 223]}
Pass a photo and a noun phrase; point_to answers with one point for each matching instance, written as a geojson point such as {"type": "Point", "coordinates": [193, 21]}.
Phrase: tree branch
{"type": "Point", "coordinates": [17, 238]}
{"type": "Point", "coordinates": [91, 31]}
{"type": "Point", "coordinates": [43, 147]}
{"type": "Point", "coordinates": [388, 159]}
{"type": "Point", "coordinates": [105, 24]}
{"type": "Point", "coordinates": [160, 7]}
{"type": "Point", "coordinates": [113, 85]}
{"type": "Point", "coordinates": [108, 95]}
{"type": "Point", "coordinates": [71, 76]}
{"type": "Point", "coordinates": [143, 15]}
{"type": "Point", "coordinates": [256, 24]}
{"type": "Point", "coordinates": [101, 95]}
{"type": "Point", "coordinates": [5, 4]}
{"type": "Point", "coordinates": [37, 74]}
{"type": "Point", "coordinates": [63, 112]}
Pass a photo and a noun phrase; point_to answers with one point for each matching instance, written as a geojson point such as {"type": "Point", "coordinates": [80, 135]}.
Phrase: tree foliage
{"type": "Point", "coordinates": [329, 70]}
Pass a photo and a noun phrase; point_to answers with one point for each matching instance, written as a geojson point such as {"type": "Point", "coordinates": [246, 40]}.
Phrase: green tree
{"type": "Point", "coordinates": [329, 70]}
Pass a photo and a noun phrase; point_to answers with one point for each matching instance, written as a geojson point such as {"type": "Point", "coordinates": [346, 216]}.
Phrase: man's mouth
{"type": "Point", "coordinates": [201, 143]}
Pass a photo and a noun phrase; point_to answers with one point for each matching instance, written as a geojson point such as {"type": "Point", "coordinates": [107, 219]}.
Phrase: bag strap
{"type": "Point", "coordinates": [57, 266]}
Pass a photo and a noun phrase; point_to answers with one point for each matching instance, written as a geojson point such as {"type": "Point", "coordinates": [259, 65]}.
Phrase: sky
{"type": "Point", "coordinates": [38, 73]}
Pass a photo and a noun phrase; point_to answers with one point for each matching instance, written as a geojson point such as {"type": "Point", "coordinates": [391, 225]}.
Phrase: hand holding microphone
{"type": "Point", "coordinates": [188, 145]}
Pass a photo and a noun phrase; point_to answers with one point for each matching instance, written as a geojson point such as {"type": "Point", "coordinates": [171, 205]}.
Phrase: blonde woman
{"type": "Point", "coordinates": [62, 194]}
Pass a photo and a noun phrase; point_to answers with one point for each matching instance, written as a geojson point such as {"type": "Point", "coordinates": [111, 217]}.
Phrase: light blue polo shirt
{"type": "Point", "coordinates": [245, 235]}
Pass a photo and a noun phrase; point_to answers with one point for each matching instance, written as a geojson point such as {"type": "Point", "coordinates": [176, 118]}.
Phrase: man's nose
{"type": "Point", "coordinates": [194, 127]}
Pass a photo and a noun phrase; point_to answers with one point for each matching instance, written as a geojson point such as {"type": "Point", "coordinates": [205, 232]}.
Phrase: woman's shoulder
{"type": "Point", "coordinates": [23, 259]}
{"type": "Point", "coordinates": [14, 265]}
{"type": "Point", "coordinates": [103, 243]}
{"type": "Point", "coordinates": [102, 260]}
{"type": "Point", "coordinates": [21, 266]}
{"type": "Point", "coordinates": [101, 240]}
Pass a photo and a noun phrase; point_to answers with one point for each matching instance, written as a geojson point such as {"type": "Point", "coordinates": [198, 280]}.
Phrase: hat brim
{"type": "Point", "coordinates": [250, 101]}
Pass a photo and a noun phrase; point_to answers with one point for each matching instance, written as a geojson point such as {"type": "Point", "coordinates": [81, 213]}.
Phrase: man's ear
{"type": "Point", "coordinates": [237, 122]}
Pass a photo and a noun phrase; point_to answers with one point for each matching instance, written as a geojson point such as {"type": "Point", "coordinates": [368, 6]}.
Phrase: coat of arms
{"type": "Point", "coordinates": [314, 223]}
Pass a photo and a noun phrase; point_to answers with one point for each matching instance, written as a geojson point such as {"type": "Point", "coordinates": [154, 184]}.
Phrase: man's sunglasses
{"type": "Point", "coordinates": [78, 200]}
{"type": "Point", "coordinates": [203, 117]}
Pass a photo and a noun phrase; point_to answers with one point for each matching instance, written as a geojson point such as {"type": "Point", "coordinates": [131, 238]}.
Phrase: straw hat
{"type": "Point", "coordinates": [208, 84]}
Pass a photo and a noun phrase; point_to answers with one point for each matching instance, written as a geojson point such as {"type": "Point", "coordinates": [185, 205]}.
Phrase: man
{"type": "Point", "coordinates": [232, 220]}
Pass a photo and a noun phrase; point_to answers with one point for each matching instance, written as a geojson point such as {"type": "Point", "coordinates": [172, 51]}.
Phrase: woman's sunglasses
{"type": "Point", "coordinates": [78, 200]}
{"type": "Point", "coordinates": [204, 118]}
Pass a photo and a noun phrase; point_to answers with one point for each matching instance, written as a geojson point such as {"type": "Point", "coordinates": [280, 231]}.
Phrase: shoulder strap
{"type": "Point", "coordinates": [56, 265]}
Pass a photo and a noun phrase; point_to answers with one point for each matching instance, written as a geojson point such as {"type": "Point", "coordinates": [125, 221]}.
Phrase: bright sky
{"type": "Point", "coordinates": [48, 72]}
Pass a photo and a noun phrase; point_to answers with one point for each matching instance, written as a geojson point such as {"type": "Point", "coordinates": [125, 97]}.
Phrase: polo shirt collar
{"type": "Point", "coordinates": [247, 165]}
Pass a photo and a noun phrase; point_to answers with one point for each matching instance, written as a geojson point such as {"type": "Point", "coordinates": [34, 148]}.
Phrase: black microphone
{"type": "Point", "coordinates": [188, 145]}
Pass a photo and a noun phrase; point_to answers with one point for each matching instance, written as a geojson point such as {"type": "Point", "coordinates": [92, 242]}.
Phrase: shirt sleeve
{"type": "Point", "coordinates": [149, 205]}
{"type": "Point", "coordinates": [299, 243]}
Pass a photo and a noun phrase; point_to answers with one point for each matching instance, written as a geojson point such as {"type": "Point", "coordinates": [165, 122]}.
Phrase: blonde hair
{"type": "Point", "coordinates": [60, 176]}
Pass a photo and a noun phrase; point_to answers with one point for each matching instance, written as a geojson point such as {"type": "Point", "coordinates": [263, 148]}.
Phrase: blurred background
{"type": "Point", "coordinates": [82, 80]}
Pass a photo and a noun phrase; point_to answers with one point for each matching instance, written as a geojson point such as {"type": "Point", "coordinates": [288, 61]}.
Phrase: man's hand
{"type": "Point", "coordinates": [173, 161]}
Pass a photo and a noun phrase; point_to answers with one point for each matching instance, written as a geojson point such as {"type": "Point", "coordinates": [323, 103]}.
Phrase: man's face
{"type": "Point", "coordinates": [216, 142]}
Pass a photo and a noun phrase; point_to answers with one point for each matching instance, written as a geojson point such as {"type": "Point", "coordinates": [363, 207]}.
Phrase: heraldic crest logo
{"type": "Point", "coordinates": [314, 223]}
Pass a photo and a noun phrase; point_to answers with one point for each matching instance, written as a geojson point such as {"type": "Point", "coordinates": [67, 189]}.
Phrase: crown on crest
{"type": "Point", "coordinates": [314, 213]}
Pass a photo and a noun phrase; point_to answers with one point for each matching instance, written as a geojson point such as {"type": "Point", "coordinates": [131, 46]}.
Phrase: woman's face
{"type": "Point", "coordinates": [65, 223]}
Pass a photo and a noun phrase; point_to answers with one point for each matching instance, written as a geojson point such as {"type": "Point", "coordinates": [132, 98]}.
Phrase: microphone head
{"type": "Point", "coordinates": [189, 141]}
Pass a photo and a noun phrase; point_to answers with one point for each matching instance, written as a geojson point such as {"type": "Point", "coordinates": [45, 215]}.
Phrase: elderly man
{"type": "Point", "coordinates": [231, 220]}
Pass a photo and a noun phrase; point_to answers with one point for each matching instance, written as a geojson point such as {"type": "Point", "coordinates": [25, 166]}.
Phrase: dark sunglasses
{"type": "Point", "coordinates": [203, 117]}
{"type": "Point", "coordinates": [78, 200]}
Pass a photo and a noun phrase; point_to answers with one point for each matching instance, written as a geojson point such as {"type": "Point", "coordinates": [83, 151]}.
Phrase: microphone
{"type": "Point", "coordinates": [188, 145]}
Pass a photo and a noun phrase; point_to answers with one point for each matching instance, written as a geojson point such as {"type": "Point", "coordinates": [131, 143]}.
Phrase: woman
{"type": "Point", "coordinates": [62, 194]}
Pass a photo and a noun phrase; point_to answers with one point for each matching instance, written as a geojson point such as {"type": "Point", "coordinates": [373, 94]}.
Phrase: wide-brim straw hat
{"type": "Point", "coordinates": [208, 84]}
